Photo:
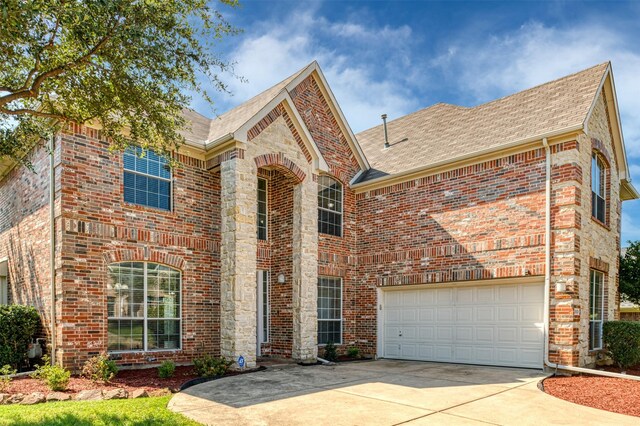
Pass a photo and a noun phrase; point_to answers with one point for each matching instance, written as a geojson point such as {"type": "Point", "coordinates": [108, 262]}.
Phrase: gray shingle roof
{"type": "Point", "coordinates": [204, 130]}
{"type": "Point", "coordinates": [445, 131]}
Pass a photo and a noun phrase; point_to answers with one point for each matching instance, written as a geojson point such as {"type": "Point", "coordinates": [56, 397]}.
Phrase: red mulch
{"type": "Point", "coordinates": [129, 380]}
{"type": "Point", "coordinates": [606, 393]}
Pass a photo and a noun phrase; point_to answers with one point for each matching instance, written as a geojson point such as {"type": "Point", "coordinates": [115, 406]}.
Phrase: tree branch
{"type": "Point", "coordinates": [33, 91]}
{"type": "Point", "coordinates": [35, 113]}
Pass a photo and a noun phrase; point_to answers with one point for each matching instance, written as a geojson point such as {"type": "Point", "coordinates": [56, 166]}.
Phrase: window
{"type": "Point", "coordinates": [598, 188]}
{"type": "Point", "coordinates": [596, 309]}
{"type": "Point", "coordinates": [329, 206]}
{"type": "Point", "coordinates": [263, 305]}
{"type": "Point", "coordinates": [147, 179]}
{"type": "Point", "coordinates": [143, 305]}
{"type": "Point", "coordinates": [329, 310]}
{"type": "Point", "coordinates": [262, 209]}
{"type": "Point", "coordinates": [4, 283]}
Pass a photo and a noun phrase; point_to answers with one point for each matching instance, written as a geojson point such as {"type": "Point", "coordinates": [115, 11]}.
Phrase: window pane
{"type": "Point", "coordinates": [163, 334]}
{"type": "Point", "coordinates": [329, 310]}
{"type": "Point", "coordinates": [329, 206]}
{"type": "Point", "coordinates": [148, 186]}
{"type": "Point", "coordinates": [125, 335]}
{"type": "Point", "coordinates": [262, 209]}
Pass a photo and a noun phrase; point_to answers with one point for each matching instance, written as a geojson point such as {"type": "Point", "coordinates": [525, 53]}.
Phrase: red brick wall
{"type": "Point", "coordinates": [478, 222]}
{"type": "Point", "coordinates": [24, 233]}
{"type": "Point", "coordinates": [280, 261]}
{"type": "Point", "coordinates": [100, 227]}
{"type": "Point", "coordinates": [336, 255]}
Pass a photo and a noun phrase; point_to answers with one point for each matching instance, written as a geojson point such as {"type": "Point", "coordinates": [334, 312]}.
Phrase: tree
{"type": "Point", "coordinates": [630, 273]}
{"type": "Point", "coordinates": [125, 65]}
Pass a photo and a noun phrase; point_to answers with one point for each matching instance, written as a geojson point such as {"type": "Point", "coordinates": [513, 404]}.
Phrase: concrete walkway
{"type": "Point", "coordinates": [384, 392]}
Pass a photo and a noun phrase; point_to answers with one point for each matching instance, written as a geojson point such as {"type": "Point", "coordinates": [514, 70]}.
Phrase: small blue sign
{"type": "Point", "coordinates": [241, 361]}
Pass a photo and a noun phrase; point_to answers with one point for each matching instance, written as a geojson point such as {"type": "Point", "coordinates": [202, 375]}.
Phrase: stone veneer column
{"type": "Point", "coordinates": [305, 270]}
{"type": "Point", "coordinates": [238, 261]}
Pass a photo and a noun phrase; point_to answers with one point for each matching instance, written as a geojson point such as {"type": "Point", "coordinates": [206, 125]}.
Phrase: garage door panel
{"type": "Point", "coordinates": [488, 324]}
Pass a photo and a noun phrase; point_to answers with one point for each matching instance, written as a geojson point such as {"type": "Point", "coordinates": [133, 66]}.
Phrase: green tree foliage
{"type": "Point", "coordinates": [630, 273]}
{"type": "Point", "coordinates": [125, 65]}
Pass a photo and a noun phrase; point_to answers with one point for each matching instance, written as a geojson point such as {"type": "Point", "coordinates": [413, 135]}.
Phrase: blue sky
{"type": "Point", "coordinates": [401, 56]}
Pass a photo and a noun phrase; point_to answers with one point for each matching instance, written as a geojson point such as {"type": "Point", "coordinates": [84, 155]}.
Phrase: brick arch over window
{"type": "Point", "coordinates": [139, 254]}
{"type": "Point", "coordinates": [282, 163]}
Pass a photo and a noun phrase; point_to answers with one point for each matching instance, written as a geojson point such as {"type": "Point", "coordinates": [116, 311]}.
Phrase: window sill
{"type": "Point", "coordinates": [142, 351]}
{"type": "Point", "coordinates": [147, 209]}
{"type": "Point", "coordinates": [602, 224]}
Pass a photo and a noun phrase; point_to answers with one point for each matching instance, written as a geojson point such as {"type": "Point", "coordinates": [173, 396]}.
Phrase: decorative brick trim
{"type": "Point", "coordinates": [188, 161]}
{"type": "Point", "coordinates": [214, 162]}
{"type": "Point", "coordinates": [566, 173]}
{"type": "Point", "coordinates": [337, 259]}
{"type": "Point", "coordinates": [598, 145]}
{"type": "Point", "coordinates": [144, 254]}
{"type": "Point", "coordinates": [281, 162]}
{"type": "Point", "coordinates": [97, 229]}
{"type": "Point", "coordinates": [452, 275]}
{"type": "Point", "coordinates": [508, 161]}
{"type": "Point", "coordinates": [598, 264]}
{"type": "Point", "coordinates": [80, 130]}
{"type": "Point", "coordinates": [534, 240]}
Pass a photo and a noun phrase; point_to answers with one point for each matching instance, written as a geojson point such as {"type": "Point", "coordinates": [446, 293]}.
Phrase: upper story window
{"type": "Point", "coordinates": [143, 307]}
{"type": "Point", "coordinates": [262, 209]}
{"type": "Point", "coordinates": [329, 206]}
{"type": "Point", "coordinates": [598, 188]}
{"type": "Point", "coordinates": [147, 179]}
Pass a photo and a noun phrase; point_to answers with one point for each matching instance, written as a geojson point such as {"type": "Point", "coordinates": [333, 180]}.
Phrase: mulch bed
{"type": "Point", "coordinates": [606, 393]}
{"type": "Point", "coordinates": [128, 380]}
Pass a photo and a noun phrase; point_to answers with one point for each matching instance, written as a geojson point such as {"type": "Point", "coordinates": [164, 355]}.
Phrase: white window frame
{"type": "Point", "coordinates": [341, 320]}
{"type": "Point", "coordinates": [598, 171]}
{"type": "Point", "coordinates": [135, 172]}
{"type": "Point", "coordinates": [266, 212]}
{"type": "Point", "coordinates": [265, 307]}
{"type": "Point", "coordinates": [341, 213]}
{"type": "Point", "coordinates": [592, 298]}
{"type": "Point", "coordinates": [4, 282]}
{"type": "Point", "coordinates": [146, 318]}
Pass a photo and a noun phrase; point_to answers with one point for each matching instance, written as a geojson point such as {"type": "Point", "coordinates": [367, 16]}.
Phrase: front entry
{"type": "Point", "coordinates": [262, 320]}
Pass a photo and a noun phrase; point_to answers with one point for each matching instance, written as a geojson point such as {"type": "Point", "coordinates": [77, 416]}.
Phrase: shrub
{"type": "Point", "coordinates": [330, 352]}
{"type": "Point", "coordinates": [210, 366]}
{"type": "Point", "coordinates": [55, 377]}
{"type": "Point", "coordinates": [353, 352]}
{"type": "Point", "coordinates": [100, 368]}
{"type": "Point", "coordinates": [5, 376]}
{"type": "Point", "coordinates": [622, 341]}
{"type": "Point", "coordinates": [18, 326]}
{"type": "Point", "coordinates": [167, 369]}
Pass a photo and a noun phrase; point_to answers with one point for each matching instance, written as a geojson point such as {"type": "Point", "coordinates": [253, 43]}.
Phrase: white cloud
{"type": "Point", "coordinates": [357, 74]}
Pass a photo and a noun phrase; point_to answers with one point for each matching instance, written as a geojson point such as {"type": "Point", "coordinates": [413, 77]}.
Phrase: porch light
{"type": "Point", "coordinates": [281, 278]}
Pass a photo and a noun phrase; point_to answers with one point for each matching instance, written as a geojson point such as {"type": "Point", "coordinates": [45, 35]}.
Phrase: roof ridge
{"type": "Point", "coordinates": [542, 84]}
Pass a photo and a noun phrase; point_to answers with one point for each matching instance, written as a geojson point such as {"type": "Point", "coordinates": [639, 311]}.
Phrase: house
{"type": "Point", "coordinates": [486, 235]}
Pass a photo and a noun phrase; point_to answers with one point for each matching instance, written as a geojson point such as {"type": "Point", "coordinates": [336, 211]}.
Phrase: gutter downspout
{"type": "Point", "coordinates": [52, 242]}
{"type": "Point", "coordinates": [547, 282]}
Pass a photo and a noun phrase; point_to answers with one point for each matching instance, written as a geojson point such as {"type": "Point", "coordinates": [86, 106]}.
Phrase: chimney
{"type": "Point", "coordinates": [386, 136]}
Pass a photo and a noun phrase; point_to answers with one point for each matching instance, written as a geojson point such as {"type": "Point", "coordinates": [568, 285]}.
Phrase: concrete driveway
{"type": "Point", "coordinates": [384, 392]}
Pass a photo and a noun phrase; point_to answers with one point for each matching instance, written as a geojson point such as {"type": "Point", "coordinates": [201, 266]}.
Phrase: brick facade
{"type": "Point", "coordinates": [481, 221]}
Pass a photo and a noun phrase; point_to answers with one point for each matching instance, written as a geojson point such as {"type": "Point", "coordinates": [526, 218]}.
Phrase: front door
{"type": "Point", "coordinates": [262, 320]}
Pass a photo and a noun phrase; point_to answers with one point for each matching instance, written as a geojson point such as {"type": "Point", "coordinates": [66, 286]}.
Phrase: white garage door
{"type": "Point", "coordinates": [488, 324]}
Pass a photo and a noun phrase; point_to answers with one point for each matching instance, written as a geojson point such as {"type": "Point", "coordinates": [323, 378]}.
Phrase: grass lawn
{"type": "Point", "coordinates": [138, 412]}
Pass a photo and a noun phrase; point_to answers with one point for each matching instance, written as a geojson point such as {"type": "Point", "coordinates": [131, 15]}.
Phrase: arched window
{"type": "Point", "coordinates": [329, 206]}
{"type": "Point", "coordinates": [598, 188]}
{"type": "Point", "coordinates": [143, 307]}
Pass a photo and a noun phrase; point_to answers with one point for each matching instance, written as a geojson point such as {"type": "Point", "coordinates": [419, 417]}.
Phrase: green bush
{"type": "Point", "coordinates": [5, 377]}
{"type": "Point", "coordinates": [167, 369]}
{"type": "Point", "coordinates": [622, 341]}
{"type": "Point", "coordinates": [18, 326]}
{"type": "Point", "coordinates": [330, 352]}
{"type": "Point", "coordinates": [55, 377]}
{"type": "Point", "coordinates": [210, 366]}
{"type": "Point", "coordinates": [100, 368]}
{"type": "Point", "coordinates": [353, 352]}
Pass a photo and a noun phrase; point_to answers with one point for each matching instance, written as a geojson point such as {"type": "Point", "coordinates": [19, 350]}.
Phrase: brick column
{"type": "Point", "coordinates": [238, 261]}
{"type": "Point", "coordinates": [305, 270]}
